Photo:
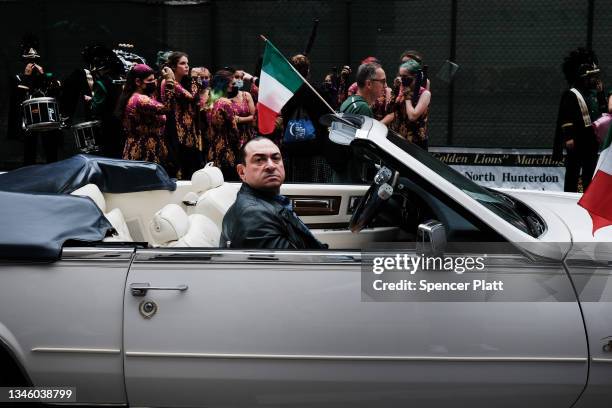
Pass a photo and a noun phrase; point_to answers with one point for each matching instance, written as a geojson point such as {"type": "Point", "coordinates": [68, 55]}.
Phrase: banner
{"type": "Point", "coordinates": [531, 169]}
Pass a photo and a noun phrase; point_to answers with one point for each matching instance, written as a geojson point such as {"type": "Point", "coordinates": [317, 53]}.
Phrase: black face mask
{"type": "Point", "coordinates": [232, 92]}
{"type": "Point", "coordinates": [150, 88]}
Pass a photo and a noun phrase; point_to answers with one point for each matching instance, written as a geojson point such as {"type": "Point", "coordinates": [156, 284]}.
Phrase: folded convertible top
{"type": "Point", "coordinates": [110, 175]}
{"type": "Point", "coordinates": [36, 226]}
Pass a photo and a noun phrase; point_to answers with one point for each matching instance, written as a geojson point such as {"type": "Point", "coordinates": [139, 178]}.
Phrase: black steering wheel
{"type": "Point", "coordinates": [370, 204]}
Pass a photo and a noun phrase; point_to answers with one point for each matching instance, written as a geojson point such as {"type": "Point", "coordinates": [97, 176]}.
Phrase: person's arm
{"type": "Point", "coordinates": [567, 113]}
{"type": "Point", "coordinates": [417, 111]}
{"type": "Point", "coordinates": [388, 118]}
{"type": "Point", "coordinates": [261, 229]}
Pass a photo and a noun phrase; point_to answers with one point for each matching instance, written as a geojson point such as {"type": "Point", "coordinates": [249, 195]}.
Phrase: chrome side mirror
{"type": "Point", "coordinates": [431, 238]}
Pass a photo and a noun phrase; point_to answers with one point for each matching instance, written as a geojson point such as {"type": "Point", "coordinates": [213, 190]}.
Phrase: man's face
{"type": "Point", "coordinates": [378, 84]}
{"type": "Point", "coordinates": [264, 169]}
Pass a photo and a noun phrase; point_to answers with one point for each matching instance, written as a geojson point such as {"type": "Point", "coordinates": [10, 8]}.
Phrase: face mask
{"type": "Point", "coordinates": [150, 88]}
{"type": "Point", "coordinates": [205, 83]}
{"type": "Point", "coordinates": [238, 84]}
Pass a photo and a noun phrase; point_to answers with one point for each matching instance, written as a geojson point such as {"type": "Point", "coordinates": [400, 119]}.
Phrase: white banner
{"type": "Point", "coordinates": [530, 178]}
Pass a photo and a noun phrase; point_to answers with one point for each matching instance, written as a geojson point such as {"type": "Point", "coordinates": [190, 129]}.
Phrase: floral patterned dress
{"type": "Point", "coordinates": [415, 132]}
{"type": "Point", "coordinates": [222, 140]}
{"type": "Point", "coordinates": [246, 131]}
{"type": "Point", "coordinates": [144, 123]}
{"type": "Point", "coordinates": [185, 114]}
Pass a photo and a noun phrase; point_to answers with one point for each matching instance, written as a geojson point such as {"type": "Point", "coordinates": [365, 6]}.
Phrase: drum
{"type": "Point", "coordinates": [40, 114]}
{"type": "Point", "coordinates": [87, 135]}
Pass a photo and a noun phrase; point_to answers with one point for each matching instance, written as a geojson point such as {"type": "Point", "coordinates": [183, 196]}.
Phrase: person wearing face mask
{"type": "Point", "coordinates": [202, 76]}
{"type": "Point", "coordinates": [143, 117]}
{"type": "Point", "coordinates": [244, 109]}
{"type": "Point", "coordinates": [408, 115]}
{"type": "Point", "coordinates": [182, 129]}
{"type": "Point", "coordinates": [222, 139]}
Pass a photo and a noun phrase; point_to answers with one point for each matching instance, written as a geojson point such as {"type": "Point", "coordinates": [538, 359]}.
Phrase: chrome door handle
{"type": "Point", "coordinates": [140, 289]}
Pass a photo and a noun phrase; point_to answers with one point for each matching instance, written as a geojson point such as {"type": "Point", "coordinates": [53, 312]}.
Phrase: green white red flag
{"type": "Point", "coordinates": [278, 82]}
{"type": "Point", "coordinates": [597, 199]}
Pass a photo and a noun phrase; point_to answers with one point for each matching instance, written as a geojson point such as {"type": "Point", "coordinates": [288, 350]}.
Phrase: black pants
{"type": "Point", "coordinates": [190, 160]}
{"type": "Point", "coordinates": [50, 142]}
{"type": "Point", "coordinates": [575, 160]}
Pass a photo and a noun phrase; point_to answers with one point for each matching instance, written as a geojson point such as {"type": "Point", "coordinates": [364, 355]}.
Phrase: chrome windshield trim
{"type": "Point", "coordinates": [75, 350]}
{"type": "Point", "coordinates": [356, 358]}
{"type": "Point", "coordinates": [601, 360]}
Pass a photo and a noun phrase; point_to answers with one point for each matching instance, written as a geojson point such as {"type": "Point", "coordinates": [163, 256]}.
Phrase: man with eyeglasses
{"type": "Point", "coordinates": [371, 83]}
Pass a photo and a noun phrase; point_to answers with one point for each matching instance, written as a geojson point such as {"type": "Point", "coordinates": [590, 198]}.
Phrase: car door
{"type": "Point", "coordinates": [63, 320]}
{"type": "Point", "coordinates": [223, 328]}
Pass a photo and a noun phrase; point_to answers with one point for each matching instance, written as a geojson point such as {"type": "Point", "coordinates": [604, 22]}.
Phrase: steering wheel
{"type": "Point", "coordinates": [379, 192]}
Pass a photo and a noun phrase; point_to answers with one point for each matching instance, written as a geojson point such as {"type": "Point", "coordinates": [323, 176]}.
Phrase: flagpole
{"type": "Point", "coordinates": [305, 81]}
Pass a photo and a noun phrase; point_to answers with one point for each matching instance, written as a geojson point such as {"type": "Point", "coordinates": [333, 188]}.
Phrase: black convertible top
{"type": "Point", "coordinates": [110, 175]}
{"type": "Point", "coordinates": [37, 215]}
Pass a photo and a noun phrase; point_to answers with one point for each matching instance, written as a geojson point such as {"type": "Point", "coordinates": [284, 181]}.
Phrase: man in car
{"type": "Point", "coordinates": [261, 217]}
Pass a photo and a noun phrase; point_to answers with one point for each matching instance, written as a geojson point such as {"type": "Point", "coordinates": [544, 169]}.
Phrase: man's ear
{"type": "Point", "coordinates": [240, 170]}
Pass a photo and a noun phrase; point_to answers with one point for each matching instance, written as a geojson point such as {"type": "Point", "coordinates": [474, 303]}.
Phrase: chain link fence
{"type": "Point", "coordinates": [505, 93]}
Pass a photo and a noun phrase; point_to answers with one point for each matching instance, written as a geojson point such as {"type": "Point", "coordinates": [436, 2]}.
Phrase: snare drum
{"type": "Point", "coordinates": [87, 136]}
{"type": "Point", "coordinates": [41, 114]}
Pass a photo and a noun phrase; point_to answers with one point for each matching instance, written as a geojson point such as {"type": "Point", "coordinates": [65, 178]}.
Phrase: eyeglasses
{"type": "Point", "coordinates": [382, 81]}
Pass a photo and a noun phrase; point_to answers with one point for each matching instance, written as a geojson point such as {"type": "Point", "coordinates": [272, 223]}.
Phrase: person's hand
{"type": "Point", "coordinates": [569, 144]}
{"type": "Point", "coordinates": [87, 98]}
{"type": "Point", "coordinates": [29, 69]}
{"type": "Point", "coordinates": [167, 74]}
{"type": "Point", "coordinates": [245, 75]}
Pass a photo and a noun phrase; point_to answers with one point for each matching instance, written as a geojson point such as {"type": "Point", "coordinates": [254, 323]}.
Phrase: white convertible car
{"type": "Point", "coordinates": [129, 298]}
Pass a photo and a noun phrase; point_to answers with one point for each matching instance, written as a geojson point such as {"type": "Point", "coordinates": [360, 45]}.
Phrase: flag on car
{"type": "Point", "coordinates": [597, 199]}
{"type": "Point", "coordinates": [278, 82]}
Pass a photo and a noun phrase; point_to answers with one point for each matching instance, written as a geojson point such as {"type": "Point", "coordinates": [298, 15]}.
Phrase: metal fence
{"type": "Point", "coordinates": [505, 93]}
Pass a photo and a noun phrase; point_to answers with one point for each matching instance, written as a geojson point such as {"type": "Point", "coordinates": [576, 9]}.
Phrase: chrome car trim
{"type": "Point", "coordinates": [108, 254]}
{"type": "Point", "coordinates": [362, 358]}
{"type": "Point", "coordinates": [601, 360]}
{"type": "Point", "coordinates": [75, 350]}
{"type": "Point", "coordinates": [241, 256]}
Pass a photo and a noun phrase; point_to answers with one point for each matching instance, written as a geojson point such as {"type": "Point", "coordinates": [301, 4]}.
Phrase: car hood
{"type": "Point", "coordinates": [557, 208]}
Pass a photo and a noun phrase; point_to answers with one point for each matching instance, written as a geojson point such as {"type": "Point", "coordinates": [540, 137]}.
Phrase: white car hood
{"type": "Point", "coordinates": [557, 207]}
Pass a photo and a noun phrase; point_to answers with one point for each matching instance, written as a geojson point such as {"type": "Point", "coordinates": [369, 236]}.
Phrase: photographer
{"type": "Point", "coordinates": [409, 107]}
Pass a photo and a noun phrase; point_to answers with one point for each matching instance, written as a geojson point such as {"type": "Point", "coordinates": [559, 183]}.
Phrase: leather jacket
{"type": "Point", "coordinates": [258, 219]}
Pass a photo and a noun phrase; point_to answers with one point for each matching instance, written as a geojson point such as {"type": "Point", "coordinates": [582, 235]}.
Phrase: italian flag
{"type": "Point", "coordinates": [597, 199]}
{"type": "Point", "coordinates": [277, 84]}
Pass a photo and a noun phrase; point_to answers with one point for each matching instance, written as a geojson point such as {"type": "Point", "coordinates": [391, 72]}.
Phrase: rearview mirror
{"type": "Point", "coordinates": [431, 238]}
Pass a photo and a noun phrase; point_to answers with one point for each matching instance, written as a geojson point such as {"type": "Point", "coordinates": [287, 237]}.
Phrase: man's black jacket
{"type": "Point", "coordinates": [258, 220]}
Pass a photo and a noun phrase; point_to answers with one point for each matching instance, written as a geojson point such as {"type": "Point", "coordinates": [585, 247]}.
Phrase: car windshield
{"type": "Point", "coordinates": [493, 201]}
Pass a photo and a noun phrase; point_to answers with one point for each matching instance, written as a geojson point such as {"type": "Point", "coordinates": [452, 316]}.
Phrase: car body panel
{"type": "Point", "coordinates": [257, 328]}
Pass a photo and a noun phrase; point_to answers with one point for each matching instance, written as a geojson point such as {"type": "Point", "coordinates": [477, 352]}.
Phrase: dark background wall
{"type": "Point", "coordinates": [504, 95]}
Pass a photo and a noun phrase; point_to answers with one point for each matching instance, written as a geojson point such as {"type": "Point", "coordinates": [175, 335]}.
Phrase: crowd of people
{"type": "Point", "coordinates": [183, 117]}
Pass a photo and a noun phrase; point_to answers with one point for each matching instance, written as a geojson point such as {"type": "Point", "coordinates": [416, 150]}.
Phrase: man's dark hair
{"type": "Point", "coordinates": [242, 151]}
{"type": "Point", "coordinates": [366, 72]}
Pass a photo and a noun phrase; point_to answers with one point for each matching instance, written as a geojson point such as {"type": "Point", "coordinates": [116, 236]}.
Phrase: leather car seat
{"type": "Point", "coordinates": [172, 227]}
{"type": "Point", "coordinates": [217, 198]}
{"type": "Point", "coordinates": [114, 216]}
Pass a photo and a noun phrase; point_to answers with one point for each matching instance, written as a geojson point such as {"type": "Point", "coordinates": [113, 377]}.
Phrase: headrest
{"type": "Point", "coordinates": [207, 178]}
{"type": "Point", "coordinates": [169, 224]}
{"type": "Point", "coordinates": [92, 191]}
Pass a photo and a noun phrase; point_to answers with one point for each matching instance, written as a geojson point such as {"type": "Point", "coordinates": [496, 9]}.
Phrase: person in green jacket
{"type": "Point", "coordinates": [371, 84]}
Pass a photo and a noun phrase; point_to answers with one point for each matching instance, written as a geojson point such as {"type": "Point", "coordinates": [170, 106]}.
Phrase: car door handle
{"type": "Point", "coordinates": [140, 289]}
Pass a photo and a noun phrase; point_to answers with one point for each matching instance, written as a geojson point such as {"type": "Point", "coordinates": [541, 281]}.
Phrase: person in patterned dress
{"type": "Point", "coordinates": [408, 116]}
{"type": "Point", "coordinates": [182, 128]}
{"type": "Point", "coordinates": [222, 139]}
{"type": "Point", "coordinates": [143, 117]}
{"type": "Point", "coordinates": [244, 108]}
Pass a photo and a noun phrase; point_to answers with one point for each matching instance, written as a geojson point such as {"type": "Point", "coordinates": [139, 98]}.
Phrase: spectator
{"type": "Point", "coordinates": [379, 108]}
{"type": "Point", "coordinates": [409, 113]}
{"type": "Point", "coordinates": [182, 129]}
{"type": "Point", "coordinates": [371, 85]}
{"type": "Point", "coordinates": [222, 140]}
{"type": "Point", "coordinates": [244, 108]}
{"type": "Point", "coordinates": [143, 117]}
{"type": "Point", "coordinates": [416, 56]}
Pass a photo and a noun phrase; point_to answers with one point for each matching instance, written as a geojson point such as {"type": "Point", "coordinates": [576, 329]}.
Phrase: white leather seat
{"type": "Point", "coordinates": [172, 227]}
{"type": "Point", "coordinates": [206, 178]}
{"type": "Point", "coordinates": [115, 216]}
{"type": "Point", "coordinates": [214, 203]}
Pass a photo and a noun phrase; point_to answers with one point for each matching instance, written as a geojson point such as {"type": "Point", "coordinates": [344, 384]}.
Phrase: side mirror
{"type": "Point", "coordinates": [431, 238]}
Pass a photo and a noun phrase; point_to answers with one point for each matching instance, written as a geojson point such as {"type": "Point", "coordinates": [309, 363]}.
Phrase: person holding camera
{"type": "Point", "coordinates": [409, 107]}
